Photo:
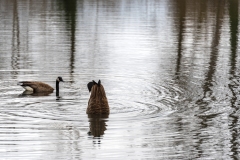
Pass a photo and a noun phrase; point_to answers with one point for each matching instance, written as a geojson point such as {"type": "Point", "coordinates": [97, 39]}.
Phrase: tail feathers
{"type": "Point", "coordinates": [25, 85]}
{"type": "Point", "coordinates": [20, 83]}
{"type": "Point", "coordinates": [99, 82]}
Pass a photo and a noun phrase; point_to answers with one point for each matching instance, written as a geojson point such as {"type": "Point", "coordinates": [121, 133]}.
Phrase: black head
{"type": "Point", "coordinates": [59, 79]}
{"type": "Point", "coordinates": [99, 83]}
{"type": "Point", "coordinates": [91, 84]}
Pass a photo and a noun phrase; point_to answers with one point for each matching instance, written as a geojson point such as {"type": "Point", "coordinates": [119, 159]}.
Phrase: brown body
{"type": "Point", "coordinates": [36, 86]}
{"type": "Point", "coordinates": [98, 103]}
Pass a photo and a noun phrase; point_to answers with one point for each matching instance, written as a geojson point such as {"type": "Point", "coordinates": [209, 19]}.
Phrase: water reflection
{"type": "Point", "coordinates": [181, 27]}
{"type": "Point", "coordinates": [97, 126]}
{"type": "Point", "coordinates": [170, 69]}
{"type": "Point", "coordinates": [28, 93]}
{"type": "Point", "coordinates": [234, 83]}
{"type": "Point", "coordinates": [15, 39]}
{"type": "Point", "coordinates": [233, 23]}
{"type": "Point", "coordinates": [70, 19]}
{"type": "Point", "coordinates": [208, 82]}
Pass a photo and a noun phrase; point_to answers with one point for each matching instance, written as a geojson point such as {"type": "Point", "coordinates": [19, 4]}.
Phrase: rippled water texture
{"type": "Point", "coordinates": [170, 69]}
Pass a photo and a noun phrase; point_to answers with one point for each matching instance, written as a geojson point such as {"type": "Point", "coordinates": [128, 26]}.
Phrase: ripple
{"type": "Point", "coordinates": [172, 91]}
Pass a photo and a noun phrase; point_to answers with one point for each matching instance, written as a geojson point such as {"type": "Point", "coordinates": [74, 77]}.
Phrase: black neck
{"type": "Point", "coordinates": [57, 88]}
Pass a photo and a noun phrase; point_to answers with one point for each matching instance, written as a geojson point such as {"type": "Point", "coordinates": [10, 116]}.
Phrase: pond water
{"type": "Point", "coordinates": [170, 69]}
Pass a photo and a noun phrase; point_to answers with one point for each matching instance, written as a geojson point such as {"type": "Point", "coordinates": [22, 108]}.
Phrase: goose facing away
{"type": "Point", "coordinates": [98, 103]}
{"type": "Point", "coordinates": [38, 87]}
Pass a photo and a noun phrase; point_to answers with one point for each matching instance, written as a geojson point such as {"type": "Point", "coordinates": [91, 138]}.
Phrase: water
{"type": "Point", "coordinates": [170, 70]}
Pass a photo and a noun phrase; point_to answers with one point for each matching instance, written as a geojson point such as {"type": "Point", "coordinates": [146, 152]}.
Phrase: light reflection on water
{"type": "Point", "coordinates": [169, 68]}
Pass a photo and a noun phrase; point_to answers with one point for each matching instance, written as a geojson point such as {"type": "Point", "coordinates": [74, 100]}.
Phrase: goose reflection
{"type": "Point", "coordinates": [97, 124]}
{"type": "Point", "coordinates": [30, 93]}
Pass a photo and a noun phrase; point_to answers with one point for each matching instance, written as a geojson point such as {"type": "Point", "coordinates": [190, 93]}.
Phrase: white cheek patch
{"type": "Point", "coordinates": [28, 88]}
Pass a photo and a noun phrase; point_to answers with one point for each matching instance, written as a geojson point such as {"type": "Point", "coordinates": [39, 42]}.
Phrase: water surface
{"type": "Point", "coordinates": [170, 70]}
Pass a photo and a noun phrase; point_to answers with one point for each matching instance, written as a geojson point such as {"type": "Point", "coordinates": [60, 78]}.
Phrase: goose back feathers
{"type": "Point", "coordinates": [98, 103]}
{"type": "Point", "coordinates": [36, 86]}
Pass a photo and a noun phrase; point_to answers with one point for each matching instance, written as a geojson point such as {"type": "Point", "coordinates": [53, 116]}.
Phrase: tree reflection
{"type": "Point", "coordinates": [182, 15]}
{"type": "Point", "coordinates": [208, 82]}
{"type": "Point", "coordinates": [184, 10]}
{"type": "Point", "coordinates": [70, 19]}
{"type": "Point", "coordinates": [15, 38]}
{"type": "Point", "coordinates": [233, 15]}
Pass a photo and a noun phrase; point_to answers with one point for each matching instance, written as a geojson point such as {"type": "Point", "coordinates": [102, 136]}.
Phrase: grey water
{"type": "Point", "coordinates": [170, 69]}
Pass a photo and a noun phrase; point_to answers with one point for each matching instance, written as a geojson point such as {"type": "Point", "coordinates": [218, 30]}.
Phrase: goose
{"type": "Point", "coordinates": [98, 103]}
{"type": "Point", "coordinates": [38, 87]}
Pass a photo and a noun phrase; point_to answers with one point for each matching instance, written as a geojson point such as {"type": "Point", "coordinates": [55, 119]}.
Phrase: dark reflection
{"type": "Point", "coordinates": [181, 6]}
{"type": "Point", "coordinates": [233, 15]}
{"type": "Point", "coordinates": [208, 82]}
{"type": "Point", "coordinates": [200, 25]}
{"type": "Point", "coordinates": [15, 39]}
{"type": "Point", "coordinates": [97, 125]}
{"type": "Point", "coordinates": [71, 16]}
{"type": "Point", "coordinates": [30, 93]}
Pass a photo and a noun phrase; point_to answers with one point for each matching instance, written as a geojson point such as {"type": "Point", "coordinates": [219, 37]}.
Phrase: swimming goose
{"type": "Point", "coordinates": [38, 87]}
{"type": "Point", "coordinates": [98, 103]}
